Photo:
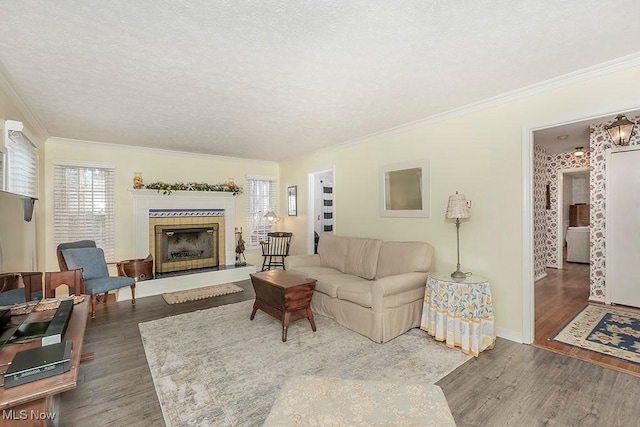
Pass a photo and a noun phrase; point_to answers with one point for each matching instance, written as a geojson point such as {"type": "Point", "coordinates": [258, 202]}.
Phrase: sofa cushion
{"type": "Point", "coordinates": [329, 284]}
{"type": "Point", "coordinates": [404, 257]}
{"type": "Point", "coordinates": [362, 257]}
{"type": "Point", "coordinates": [12, 296]}
{"type": "Point", "coordinates": [357, 292]}
{"type": "Point", "coordinates": [333, 251]}
{"type": "Point", "coordinates": [90, 260]}
{"type": "Point", "coordinates": [315, 271]}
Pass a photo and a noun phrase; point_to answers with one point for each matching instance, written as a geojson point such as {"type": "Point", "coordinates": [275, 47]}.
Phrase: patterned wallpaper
{"type": "Point", "coordinates": [554, 164]}
{"type": "Point", "coordinates": [599, 142]}
{"type": "Point", "coordinates": [539, 212]}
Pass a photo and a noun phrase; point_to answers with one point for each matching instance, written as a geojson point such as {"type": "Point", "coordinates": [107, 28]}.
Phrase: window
{"type": "Point", "coordinates": [21, 164]}
{"type": "Point", "coordinates": [83, 205]}
{"type": "Point", "coordinates": [261, 198]}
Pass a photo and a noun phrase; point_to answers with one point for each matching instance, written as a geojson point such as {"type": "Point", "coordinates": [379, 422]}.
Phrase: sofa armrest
{"type": "Point", "coordinates": [293, 261]}
{"type": "Point", "coordinates": [396, 285]}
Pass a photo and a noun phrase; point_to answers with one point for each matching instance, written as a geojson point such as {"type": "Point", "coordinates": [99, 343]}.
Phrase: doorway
{"type": "Point", "coordinates": [321, 217]}
{"type": "Point", "coordinates": [573, 198]}
{"type": "Point", "coordinates": [551, 301]}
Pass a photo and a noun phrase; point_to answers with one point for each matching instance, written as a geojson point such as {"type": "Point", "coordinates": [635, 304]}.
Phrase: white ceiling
{"type": "Point", "coordinates": [273, 79]}
{"type": "Point", "coordinates": [577, 134]}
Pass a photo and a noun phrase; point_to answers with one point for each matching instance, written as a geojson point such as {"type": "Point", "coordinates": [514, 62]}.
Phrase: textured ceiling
{"type": "Point", "coordinates": [269, 79]}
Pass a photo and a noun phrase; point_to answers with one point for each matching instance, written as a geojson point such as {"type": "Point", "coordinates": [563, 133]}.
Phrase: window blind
{"type": "Point", "coordinates": [83, 199]}
{"type": "Point", "coordinates": [22, 165]}
{"type": "Point", "coordinates": [261, 198]}
{"type": "Point", "coordinates": [2, 170]}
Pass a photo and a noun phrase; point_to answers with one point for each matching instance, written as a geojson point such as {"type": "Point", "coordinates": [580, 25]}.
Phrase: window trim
{"type": "Point", "coordinates": [273, 205]}
{"type": "Point", "coordinates": [109, 245]}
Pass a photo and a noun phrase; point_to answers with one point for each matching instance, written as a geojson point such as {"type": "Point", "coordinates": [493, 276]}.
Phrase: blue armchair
{"type": "Point", "coordinates": [11, 294]}
{"type": "Point", "coordinates": [85, 255]}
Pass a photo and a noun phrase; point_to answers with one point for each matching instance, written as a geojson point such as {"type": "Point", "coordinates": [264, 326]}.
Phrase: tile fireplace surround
{"type": "Point", "coordinates": [146, 200]}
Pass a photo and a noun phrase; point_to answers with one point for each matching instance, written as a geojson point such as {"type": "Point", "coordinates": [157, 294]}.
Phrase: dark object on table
{"type": "Point", "coordinates": [37, 363]}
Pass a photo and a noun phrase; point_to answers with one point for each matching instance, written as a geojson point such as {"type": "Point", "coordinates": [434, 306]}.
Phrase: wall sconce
{"type": "Point", "coordinates": [620, 130]}
{"type": "Point", "coordinates": [579, 152]}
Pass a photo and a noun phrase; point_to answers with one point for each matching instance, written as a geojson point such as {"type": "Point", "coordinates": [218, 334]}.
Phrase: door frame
{"type": "Point", "coordinates": [311, 203]}
{"type": "Point", "coordinates": [528, 296]}
{"type": "Point", "coordinates": [560, 212]}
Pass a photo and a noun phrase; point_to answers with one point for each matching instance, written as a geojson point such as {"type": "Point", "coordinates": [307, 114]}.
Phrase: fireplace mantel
{"type": "Point", "coordinates": [144, 200]}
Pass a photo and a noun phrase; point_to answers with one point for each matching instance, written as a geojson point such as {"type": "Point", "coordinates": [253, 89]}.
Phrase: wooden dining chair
{"type": "Point", "coordinates": [275, 249]}
{"type": "Point", "coordinates": [71, 278]}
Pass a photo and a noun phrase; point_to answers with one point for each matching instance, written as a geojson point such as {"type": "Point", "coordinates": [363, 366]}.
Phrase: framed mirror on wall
{"type": "Point", "coordinates": [292, 200]}
{"type": "Point", "coordinates": [404, 189]}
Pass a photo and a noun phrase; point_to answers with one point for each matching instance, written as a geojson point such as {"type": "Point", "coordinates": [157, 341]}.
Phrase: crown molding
{"type": "Point", "coordinates": [107, 145]}
{"type": "Point", "coordinates": [34, 123]}
{"type": "Point", "coordinates": [584, 74]}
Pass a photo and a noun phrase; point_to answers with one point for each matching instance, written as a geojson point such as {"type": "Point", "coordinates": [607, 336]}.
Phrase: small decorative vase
{"type": "Point", "coordinates": [137, 180]}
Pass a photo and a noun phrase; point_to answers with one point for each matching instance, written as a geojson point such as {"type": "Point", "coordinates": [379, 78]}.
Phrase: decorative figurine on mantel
{"type": "Point", "coordinates": [240, 249]}
{"type": "Point", "coordinates": [137, 180]}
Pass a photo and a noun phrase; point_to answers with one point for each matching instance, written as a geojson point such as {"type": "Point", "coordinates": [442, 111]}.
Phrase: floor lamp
{"type": "Point", "coordinates": [457, 209]}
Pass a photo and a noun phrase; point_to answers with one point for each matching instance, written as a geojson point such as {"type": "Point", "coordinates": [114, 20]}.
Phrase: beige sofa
{"type": "Point", "coordinates": [372, 287]}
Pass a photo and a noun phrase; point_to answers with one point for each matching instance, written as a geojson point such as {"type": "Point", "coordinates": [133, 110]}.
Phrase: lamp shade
{"type": "Point", "coordinates": [620, 130]}
{"type": "Point", "coordinates": [457, 207]}
{"type": "Point", "coordinates": [271, 216]}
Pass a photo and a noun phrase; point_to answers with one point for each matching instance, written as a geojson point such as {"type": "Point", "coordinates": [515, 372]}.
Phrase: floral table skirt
{"type": "Point", "coordinates": [459, 313]}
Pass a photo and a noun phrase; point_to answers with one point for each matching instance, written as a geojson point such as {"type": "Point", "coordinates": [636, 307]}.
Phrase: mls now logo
{"type": "Point", "coordinates": [27, 415]}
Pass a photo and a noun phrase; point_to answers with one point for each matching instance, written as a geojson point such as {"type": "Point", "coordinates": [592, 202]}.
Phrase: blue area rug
{"type": "Point", "coordinates": [604, 329]}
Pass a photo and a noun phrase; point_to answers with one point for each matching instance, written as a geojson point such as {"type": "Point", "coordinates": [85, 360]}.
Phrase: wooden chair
{"type": "Point", "coordinates": [55, 279]}
{"type": "Point", "coordinates": [275, 249]}
{"type": "Point", "coordinates": [90, 259]}
{"type": "Point", "coordinates": [11, 293]}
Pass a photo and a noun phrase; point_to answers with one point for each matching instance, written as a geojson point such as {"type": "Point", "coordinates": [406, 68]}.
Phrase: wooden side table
{"type": "Point", "coordinates": [460, 313]}
{"type": "Point", "coordinates": [284, 295]}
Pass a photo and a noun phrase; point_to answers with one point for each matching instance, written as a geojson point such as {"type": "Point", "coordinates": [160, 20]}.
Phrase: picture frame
{"type": "Point", "coordinates": [292, 200]}
{"type": "Point", "coordinates": [404, 190]}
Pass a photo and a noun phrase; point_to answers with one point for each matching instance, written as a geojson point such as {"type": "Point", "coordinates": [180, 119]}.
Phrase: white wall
{"type": "Point", "coordinates": [480, 154]}
{"type": "Point", "coordinates": [19, 248]}
{"type": "Point", "coordinates": [155, 165]}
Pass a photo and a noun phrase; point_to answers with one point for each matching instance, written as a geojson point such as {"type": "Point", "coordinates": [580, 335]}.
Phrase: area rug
{"type": "Point", "coordinates": [604, 329]}
{"type": "Point", "coordinates": [201, 293]}
{"type": "Point", "coordinates": [217, 367]}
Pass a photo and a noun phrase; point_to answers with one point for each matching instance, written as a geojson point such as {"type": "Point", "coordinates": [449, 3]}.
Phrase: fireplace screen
{"type": "Point", "coordinates": [185, 246]}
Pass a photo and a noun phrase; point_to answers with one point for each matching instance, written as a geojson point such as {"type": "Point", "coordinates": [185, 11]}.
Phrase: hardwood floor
{"type": "Point", "coordinates": [513, 384]}
{"type": "Point", "coordinates": [559, 297]}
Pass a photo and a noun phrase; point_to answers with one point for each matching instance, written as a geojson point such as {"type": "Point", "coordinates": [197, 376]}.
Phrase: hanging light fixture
{"type": "Point", "coordinates": [620, 130]}
{"type": "Point", "coordinates": [579, 152]}
{"type": "Point", "coordinates": [271, 217]}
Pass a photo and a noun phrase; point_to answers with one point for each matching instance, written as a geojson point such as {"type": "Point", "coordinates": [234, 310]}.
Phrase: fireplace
{"type": "Point", "coordinates": [186, 246]}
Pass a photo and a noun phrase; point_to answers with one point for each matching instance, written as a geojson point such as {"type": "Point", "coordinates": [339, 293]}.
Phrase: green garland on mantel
{"type": "Point", "coordinates": [227, 187]}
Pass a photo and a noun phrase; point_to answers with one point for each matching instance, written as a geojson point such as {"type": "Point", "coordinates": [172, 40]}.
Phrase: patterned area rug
{"type": "Point", "coordinates": [217, 367]}
{"type": "Point", "coordinates": [201, 293]}
{"type": "Point", "coordinates": [605, 329]}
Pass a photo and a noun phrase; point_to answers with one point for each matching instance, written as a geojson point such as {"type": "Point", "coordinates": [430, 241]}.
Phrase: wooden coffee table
{"type": "Point", "coordinates": [284, 295]}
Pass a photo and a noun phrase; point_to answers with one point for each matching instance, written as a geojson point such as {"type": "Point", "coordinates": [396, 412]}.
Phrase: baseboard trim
{"type": "Point", "coordinates": [509, 335]}
{"type": "Point", "coordinates": [542, 276]}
